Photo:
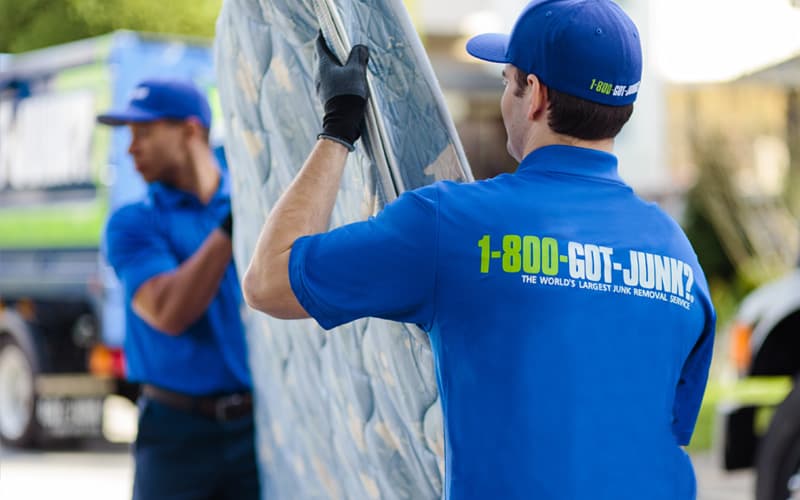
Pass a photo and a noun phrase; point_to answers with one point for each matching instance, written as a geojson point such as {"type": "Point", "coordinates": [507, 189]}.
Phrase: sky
{"type": "Point", "coordinates": [689, 40]}
{"type": "Point", "coordinates": [709, 40]}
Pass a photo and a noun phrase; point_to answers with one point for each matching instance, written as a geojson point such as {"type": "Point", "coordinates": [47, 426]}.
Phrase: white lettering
{"type": "Point", "coordinates": [551, 281]}
{"type": "Point", "coordinates": [593, 269]}
{"type": "Point", "coordinates": [140, 94]}
{"type": "Point", "coordinates": [652, 276]}
{"type": "Point", "coordinates": [632, 89]}
{"type": "Point", "coordinates": [607, 252]}
{"type": "Point", "coordinates": [674, 299]}
{"type": "Point", "coordinates": [600, 287]}
{"type": "Point", "coordinates": [624, 290]}
{"type": "Point", "coordinates": [631, 276]}
{"type": "Point", "coordinates": [650, 294]}
{"type": "Point", "coordinates": [647, 276]}
{"type": "Point", "coordinates": [662, 274]}
{"type": "Point", "coordinates": [576, 265]}
{"type": "Point", "coordinates": [677, 276]}
{"type": "Point", "coordinates": [687, 271]}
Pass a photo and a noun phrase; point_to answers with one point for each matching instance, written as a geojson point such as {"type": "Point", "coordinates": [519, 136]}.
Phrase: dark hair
{"type": "Point", "coordinates": [579, 118]}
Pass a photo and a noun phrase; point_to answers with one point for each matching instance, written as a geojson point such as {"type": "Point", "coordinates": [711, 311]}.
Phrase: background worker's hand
{"type": "Point", "coordinates": [226, 226]}
{"type": "Point", "coordinates": [343, 91]}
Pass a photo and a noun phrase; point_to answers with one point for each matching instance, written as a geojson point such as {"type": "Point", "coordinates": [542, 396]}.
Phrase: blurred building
{"type": "Point", "coordinates": [738, 143]}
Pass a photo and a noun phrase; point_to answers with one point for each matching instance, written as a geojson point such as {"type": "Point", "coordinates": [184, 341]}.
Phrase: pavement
{"type": "Point", "coordinates": [713, 483]}
{"type": "Point", "coordinates": [101, 470]}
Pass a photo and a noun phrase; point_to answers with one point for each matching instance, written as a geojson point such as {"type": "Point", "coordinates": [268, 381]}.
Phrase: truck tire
{"type": "Point", "coordinates": [778, 460]}
{"type": "Point", "coordinates": [18, 424]}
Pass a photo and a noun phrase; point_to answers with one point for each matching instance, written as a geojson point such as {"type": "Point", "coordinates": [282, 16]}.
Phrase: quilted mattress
{"type": "Point", "coordinates": [351, 413]}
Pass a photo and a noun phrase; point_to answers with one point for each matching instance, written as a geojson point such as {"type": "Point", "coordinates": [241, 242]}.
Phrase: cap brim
{"type": "Point", "coordinates": [130, 115]}
{"type": "Point", "coordinates": [490, 47]}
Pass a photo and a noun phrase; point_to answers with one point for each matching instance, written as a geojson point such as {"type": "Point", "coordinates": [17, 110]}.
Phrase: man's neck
{"type": "Point", "coordinates": [553, 139]}
{"type": "Point", "coordinates": [202, 177]}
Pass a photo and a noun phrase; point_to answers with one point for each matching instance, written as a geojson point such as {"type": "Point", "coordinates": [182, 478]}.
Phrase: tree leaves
{"type": "Point", "coordinates": [31, 24]}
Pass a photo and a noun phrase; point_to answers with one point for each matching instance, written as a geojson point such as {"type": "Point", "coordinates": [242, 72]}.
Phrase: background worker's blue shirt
{"type": "Point", "coordinates": [156, 236]}
{"type": "Point", "coordinates": [570, 323]}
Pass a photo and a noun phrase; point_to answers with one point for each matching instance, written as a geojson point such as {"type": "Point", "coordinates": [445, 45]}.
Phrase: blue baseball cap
{"type": "Point", "coordinates": [153, 100]}
{"type": "Point", "coordinates": [585, 48]}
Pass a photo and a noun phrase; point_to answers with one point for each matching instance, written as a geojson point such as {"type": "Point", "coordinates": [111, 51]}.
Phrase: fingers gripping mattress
{"type": "Point", "coordinates": [352, 413]}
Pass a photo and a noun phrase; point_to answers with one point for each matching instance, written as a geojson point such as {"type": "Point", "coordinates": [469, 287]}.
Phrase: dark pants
{"type": "Point", "coordinates": [184, 456]}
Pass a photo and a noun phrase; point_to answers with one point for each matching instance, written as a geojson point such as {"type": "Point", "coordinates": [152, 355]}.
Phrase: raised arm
{"type": "Point", "coordinates": [305, 208]}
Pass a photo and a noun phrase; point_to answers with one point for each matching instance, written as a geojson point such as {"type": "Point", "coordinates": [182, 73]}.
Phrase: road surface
{"type": "Point", "coordinates": [105, 472]}
{"type": "Point", "coordinates": [100, 471]}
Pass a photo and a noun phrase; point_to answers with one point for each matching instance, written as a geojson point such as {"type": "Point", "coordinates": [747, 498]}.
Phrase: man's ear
{"type": "Point", "coordinates": [539, 98]}
{"type": "Point", "coordinates": [194, 129]}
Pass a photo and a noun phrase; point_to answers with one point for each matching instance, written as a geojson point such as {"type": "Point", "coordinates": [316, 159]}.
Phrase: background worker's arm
{"type": "Point", "coordinates": [170, 302]}
{"type": "Point", "coordinates": [305, 208]}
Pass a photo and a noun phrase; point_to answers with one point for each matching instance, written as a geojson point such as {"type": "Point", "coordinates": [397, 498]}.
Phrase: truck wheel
{"type": "Point", "coordinates": [778, 461]}
{"type": "Point", "coordinates": [18, 425]}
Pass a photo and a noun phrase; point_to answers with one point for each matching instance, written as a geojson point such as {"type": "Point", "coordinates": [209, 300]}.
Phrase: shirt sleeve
{"type": "Point", "coordinates": [384, 267]}
{"type": "Point", "coordinates": [692, 383]}
{"type": "Point", "coordinates": [135, 248]}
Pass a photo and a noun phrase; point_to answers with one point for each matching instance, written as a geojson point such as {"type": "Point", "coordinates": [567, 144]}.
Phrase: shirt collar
{"type": "Point", "coordinates": [572, 160]}
{"type": "Point", "coordinates": [172, 197]}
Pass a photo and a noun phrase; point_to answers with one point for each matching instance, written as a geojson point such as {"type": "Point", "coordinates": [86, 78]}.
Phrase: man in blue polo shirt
{"type": "Point", "coordinates": [570, 321]}
{"type": "Point", "coordinates": [185, 339]}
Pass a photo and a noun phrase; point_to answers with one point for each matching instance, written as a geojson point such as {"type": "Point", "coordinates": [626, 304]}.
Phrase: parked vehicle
{"type": "Point", "coordinates": [761, 417]}
{"type": "Point", "coordinates": [61, 310]}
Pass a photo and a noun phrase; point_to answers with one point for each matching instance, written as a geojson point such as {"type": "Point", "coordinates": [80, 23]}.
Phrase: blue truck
{"type": "Point", "coordinates": [61, 310]}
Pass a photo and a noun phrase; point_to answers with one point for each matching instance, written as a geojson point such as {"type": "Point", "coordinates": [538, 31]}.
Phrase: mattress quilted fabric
{"type": "Point", "coordinates": [352, 413]}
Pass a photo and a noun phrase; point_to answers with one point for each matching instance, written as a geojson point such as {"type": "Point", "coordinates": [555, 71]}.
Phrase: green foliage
{"type": "Point", "coordinates": [31, 24]}
{"type": "Point", "coordinates": [705, 240]}
{"type": "Point", "coordinates": [726, 291]}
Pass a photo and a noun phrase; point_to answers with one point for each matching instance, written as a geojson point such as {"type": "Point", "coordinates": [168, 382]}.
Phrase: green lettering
{"type": "Point", "coordinates": [512, 260]}
{"type": "Point", "coordinates": [550, 256]}
{"type": "Point", "coordinates": [531, 255]}
{"type": "Point", "coordinates": [485, 245]}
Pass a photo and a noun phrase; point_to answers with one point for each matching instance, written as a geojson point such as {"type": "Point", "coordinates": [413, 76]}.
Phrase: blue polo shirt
{"type": "Point", "coordinates": [155, 236]}
{"type": "Point", "coordinates": [569, 320]}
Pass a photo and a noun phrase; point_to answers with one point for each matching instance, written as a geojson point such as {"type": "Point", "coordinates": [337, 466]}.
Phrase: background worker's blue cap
{"type": "Point", "coordinates": [586, 48]}
{"type": "Point", "coordinates": [153, 100]}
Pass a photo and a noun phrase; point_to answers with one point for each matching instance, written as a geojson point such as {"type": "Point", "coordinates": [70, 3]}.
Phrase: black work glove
{"type": "Point", "coordinates": [226, 226]}
{"type": "Point", "coordinates": [343, 92]}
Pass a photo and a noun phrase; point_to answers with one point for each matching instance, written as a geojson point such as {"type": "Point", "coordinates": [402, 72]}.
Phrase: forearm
{"type": "Point", "coordinates": [172, 302]}
{"type": "Point", "coordinates": [305, 208]}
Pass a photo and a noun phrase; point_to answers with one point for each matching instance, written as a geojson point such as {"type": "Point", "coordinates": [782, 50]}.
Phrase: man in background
{"type": "Point", "coordinates": [185, 339]}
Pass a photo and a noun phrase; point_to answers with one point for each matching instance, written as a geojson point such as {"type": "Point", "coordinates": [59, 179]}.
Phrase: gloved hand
{"type": "Point", "coordinates": [226, 226]}
{"type": "Point", "coordinates": [343, 91]}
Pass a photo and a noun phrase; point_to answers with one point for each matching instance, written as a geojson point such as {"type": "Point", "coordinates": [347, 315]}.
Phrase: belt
{"type": "Point", "coordinates": [225, 407]}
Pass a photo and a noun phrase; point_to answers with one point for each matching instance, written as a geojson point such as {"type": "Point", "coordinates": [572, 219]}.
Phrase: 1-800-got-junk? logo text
{"type": "Point", "coordinates": [539, 261]}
